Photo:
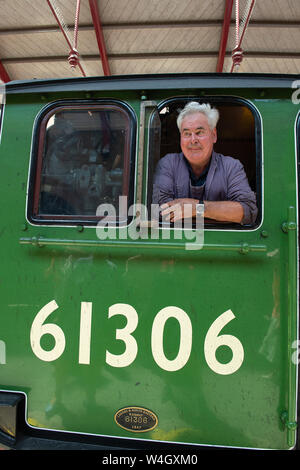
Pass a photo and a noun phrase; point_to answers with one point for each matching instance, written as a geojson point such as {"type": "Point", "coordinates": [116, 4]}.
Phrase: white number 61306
{"type": "Point", "coordinates": [213, 340]}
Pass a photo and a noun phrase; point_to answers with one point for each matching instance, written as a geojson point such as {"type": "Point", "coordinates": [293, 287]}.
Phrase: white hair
{"type": "Point", "coordinates": [193, 107]}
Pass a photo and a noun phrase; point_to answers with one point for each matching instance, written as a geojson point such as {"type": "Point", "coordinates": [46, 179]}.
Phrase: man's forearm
{"type": "Point", "coordinates": [224, 211]}
{"type": "Point", "coordinates": [221, 211]}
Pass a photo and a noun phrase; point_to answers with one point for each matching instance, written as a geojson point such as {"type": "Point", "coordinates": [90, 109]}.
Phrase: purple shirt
{"type": "Point", "coordinates": [226, 181]}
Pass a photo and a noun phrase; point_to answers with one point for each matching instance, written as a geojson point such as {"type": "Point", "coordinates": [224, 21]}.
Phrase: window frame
{"type": "Point", "coordinates": [38, 146]}
{"type": "Point", "coordinates": [297, 147]}
{"type": "Point", "coordinates": [2, 107]}
{"type": "Point", "coordinates": [217, 100]}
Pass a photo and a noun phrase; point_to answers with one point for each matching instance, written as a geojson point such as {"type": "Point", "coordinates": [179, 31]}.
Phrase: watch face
{"type": "Point", "coordinates": [200, 209]}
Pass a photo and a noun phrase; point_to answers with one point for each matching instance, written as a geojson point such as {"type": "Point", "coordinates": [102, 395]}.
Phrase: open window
{"type": "Point", "coordinates": [239, 136]}
{"type": "Point", "coordinates": [82, 158]}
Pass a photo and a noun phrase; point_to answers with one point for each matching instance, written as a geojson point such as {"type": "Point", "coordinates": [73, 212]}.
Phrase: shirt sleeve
{"type": "Point", "coordinates": [239, 190]}
{"type": "Point", "coordinates": [163, 185]}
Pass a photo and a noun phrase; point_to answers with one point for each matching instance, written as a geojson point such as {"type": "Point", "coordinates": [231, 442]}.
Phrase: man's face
{"type": "Point", "coordinates": [197, 139]}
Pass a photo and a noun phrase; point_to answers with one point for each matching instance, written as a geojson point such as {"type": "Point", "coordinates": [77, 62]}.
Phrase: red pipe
{"type": "Point", "coordinates": [224, 35]}
{"type": "Point", "coordinates": [3, 74]}
{"type": "Point", "coordinates": [99, 36]}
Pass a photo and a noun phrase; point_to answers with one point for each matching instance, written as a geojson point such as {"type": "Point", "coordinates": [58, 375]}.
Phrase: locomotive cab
{"type": "Point", "coordinates": [121, 334]}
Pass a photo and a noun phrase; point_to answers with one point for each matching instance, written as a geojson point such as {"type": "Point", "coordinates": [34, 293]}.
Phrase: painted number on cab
{"type": "Point", "coordinates": [213, 339]}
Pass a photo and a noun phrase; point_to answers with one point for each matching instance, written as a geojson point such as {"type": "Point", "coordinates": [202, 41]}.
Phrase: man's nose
{"type": "Point", "coordinates": [194, 137]}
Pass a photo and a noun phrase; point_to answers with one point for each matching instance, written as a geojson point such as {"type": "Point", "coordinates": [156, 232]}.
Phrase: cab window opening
{"type": "Point", "coordinates": [238, 136]}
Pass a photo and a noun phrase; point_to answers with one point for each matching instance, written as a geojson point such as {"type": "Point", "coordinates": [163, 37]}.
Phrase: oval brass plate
{"type": "Point", "coordinates": [136, 419]}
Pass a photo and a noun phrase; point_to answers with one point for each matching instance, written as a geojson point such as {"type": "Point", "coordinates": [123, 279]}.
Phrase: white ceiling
{"type": "Point", "coordinates": [146, 36]}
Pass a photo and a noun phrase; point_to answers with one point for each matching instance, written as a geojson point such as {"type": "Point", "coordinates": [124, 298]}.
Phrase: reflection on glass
{"type": "Point", "coordinates": [83, 161]}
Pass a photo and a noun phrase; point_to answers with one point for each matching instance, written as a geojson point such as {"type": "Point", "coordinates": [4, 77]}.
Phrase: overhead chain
{"type": "Point", "coordinates": [74, 55]}
{"type": "Point", "coordinates": [73, 58]}
{"type": "Point", "coordinates": [237, 53]}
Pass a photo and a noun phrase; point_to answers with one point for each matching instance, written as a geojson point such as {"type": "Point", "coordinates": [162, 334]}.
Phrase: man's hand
{"type": "Point", "coordinates": [177, 209]}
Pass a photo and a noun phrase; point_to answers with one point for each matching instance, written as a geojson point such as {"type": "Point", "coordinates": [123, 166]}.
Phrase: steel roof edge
{"type": "Point", "coordinates": [157, 81]}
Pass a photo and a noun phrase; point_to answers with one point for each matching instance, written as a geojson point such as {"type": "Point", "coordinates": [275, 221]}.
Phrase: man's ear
{"type": "Point", "coordinates": [215, 135]}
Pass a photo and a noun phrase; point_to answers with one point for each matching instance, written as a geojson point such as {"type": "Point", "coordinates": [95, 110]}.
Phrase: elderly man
{"type": "Point", "coordinates": [199, 175]}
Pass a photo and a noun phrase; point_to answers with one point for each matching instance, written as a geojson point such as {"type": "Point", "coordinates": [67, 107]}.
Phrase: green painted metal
{"type": "Point", "coordinates": [255, 406]}
{"type": "Point", "coordinates": [290, 227]}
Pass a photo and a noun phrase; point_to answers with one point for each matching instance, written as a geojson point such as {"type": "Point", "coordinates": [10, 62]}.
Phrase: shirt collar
{"type": "Point", "coordinates": [200, 178]}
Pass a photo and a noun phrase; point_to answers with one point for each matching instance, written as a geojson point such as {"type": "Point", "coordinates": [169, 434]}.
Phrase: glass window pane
{"type": "Point", "coordinates": [83, 161]}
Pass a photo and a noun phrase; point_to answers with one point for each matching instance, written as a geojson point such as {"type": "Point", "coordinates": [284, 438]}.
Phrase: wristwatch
{"type": "Point", "coordinates": [200, 208]}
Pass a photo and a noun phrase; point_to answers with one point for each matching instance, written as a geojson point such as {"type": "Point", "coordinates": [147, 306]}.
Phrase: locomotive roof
{"type": "Point", "coordinates": [154, 82]}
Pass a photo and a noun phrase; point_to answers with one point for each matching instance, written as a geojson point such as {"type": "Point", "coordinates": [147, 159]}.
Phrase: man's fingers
{"type": "Point", "coordinates": [168, 209]}
{"type": "Point", "coordinates": [177, 209]}
{"type": "Point", "coordinates": [169, 204]}
{"type": "Point", "coordinates": [173, 212]}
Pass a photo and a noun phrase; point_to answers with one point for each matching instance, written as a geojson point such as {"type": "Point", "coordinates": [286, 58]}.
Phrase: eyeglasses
{"type": "Point", "coordinates": [199, 133]}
